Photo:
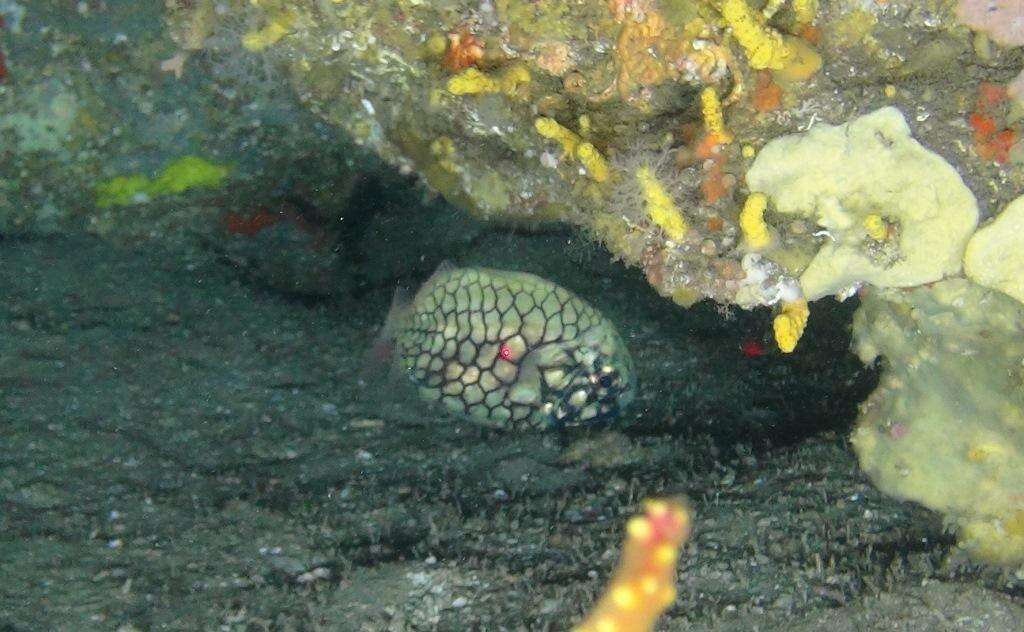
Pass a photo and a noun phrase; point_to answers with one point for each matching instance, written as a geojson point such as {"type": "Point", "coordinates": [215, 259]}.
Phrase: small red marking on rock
{"type": "Point", "coordinates": [752, 348]}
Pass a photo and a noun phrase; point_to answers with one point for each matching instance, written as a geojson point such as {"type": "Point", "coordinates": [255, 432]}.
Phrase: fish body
{"type": "Point", "coordinates": [510, 349]}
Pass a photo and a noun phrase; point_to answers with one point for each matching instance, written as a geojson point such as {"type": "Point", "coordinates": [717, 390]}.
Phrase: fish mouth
{"type": "Point", "coordinates": [593, 393]}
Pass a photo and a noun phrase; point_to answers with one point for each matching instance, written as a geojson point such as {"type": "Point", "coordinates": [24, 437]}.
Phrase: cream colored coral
{"type": "Point", "coordinates": [841, 175]}
{"type": "Point", "coordinates": [995, 254]}
{"type": "Point", "coordinates": [945, 427]}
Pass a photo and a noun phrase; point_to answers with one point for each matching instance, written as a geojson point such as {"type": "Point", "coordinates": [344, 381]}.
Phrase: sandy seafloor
{"type": "Point", "coordinates": [186, 449]}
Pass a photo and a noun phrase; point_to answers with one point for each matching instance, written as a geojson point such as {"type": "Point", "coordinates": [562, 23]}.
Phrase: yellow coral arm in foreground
{"type": "Point", "coordinates": [643, 585]}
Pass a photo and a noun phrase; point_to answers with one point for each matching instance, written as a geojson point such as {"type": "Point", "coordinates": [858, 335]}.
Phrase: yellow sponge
{"type": "Point", "coordinates": [752, 224]}
{"type": "Point", "coordinates": [660, 207]}
{"type": "Point", "coordinates": [764, 46]}
{"type": "Point", "coordinates": [790, 323]}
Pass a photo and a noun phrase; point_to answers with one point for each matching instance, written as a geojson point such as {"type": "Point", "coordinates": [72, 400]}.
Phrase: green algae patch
{"type": "Point", "coordinates": [183, 174]}
{"type": "Point", "coordinates": [122, 190]}
{"type": "Point", "coordinates": [188, 172]}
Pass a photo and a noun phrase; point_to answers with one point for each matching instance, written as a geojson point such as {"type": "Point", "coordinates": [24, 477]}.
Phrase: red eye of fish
{"type": "Point", "coordinates": [505, 352]}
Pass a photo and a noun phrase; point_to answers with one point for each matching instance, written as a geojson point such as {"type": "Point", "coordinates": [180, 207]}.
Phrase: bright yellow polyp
{"type": "Point", "coordinates": [592, 161]}
{"type": "Point", "coordinates": [624, 597]}
{"type": "Point", "coordinates": [660, 207]}
{"type": "Point", "coordinates": [711, 111]}
{"type": "Point", "coordinates": [790, 323]}
{"type": "Point", "coordinates": [607, 625]}
{"type": "Point", "coordinates": [665, 555]}
{"type": "Point", "coordinates": [638, 528]}
{"type": "Point", "coordinates": [755, 230]}
{"type": "Point", "coordinates": [551, 129]}
{"type": "Point", "coordinates": [765, 47]}
{"type": "Point", "coordinates": [875, 227]}
{"type": "Point", "coordinates": [472, 81]}
{"type": "Point", "coordinates": [277, 27]}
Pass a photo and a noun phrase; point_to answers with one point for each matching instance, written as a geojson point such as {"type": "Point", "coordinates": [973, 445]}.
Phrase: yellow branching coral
{"type": "Point", "coordinates": [279, 25]}
{"type": "Point", "coordinates": [711, 112]}
{"type": "Point", "coordinates": [643, 585]}
{"type": "Point", "coordinates": [660, 207]}
{"type": "Point", "coordinates": [752, 224]}
{"type": "Point", "coordinates": [764, 46]}
{"type": "Point", "coordinates": [790, 323]}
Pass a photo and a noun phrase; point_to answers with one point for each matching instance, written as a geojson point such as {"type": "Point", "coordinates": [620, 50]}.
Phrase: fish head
{"type": "Point", "coordinates": [585, 384]}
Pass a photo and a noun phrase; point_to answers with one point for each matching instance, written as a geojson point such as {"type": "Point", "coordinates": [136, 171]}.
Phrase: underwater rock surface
{"type": "Point", "coordinates": [203, 453]}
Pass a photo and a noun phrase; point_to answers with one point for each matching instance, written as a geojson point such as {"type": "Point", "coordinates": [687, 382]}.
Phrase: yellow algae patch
{"type": "Point", "coordinates": [472, 81]}
{"type": "Point", "coordinates": [805, 10]}
{"type": "Point", "coordinates": [994, 256]}
{"type": "Point", "coordinates": [996, 541]}
{"type": "Point", "coordinates": [188, 172]}
{"type": "Point", "coordinates": [279, 25]}
{"type": "Point", "coordinates": [659, 205]}
{"type": "Point", "coordinates": [685, 296]}
{"type": "Point", "coordinates": [789, 325]}
{"type": "Point", "coordinates": [182, 174]}
{"type": "Point", "coordinates": [801, 64]}
{"type": "Point", "coordinates": [755, 230]}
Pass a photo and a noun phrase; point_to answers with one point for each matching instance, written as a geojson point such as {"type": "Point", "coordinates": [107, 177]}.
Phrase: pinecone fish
{"type": "Point", "coordinates": [510, 349]}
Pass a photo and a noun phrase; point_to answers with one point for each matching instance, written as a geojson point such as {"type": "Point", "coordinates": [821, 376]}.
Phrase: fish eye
{"type": "Point", "coordinates": [606, 381]}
